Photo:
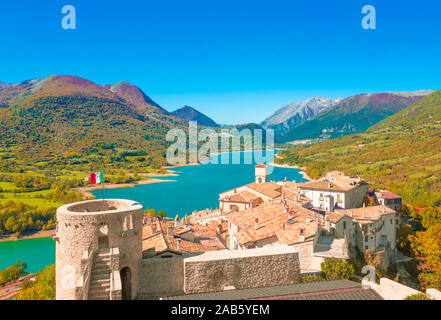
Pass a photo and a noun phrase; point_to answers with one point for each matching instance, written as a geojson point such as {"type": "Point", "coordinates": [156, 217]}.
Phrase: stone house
{"type": "Point", "coordinates": [346, 192]}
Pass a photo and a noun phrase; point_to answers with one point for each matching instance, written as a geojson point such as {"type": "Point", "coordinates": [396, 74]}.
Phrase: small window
{"type": "Point", "coordinates": [128, 222]}
{"type": "Point", "coordinates": [344, 225]}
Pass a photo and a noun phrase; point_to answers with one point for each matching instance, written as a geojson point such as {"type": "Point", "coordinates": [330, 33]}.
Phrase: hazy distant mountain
{"type": "Point", "coordinates": [135, 96]}
{"type": "Point", "coordinates": [413, 94]}
{"type": "Point", "coordinates": [4, 85]}
{"type": "Point", "coordinates": [190, 114]}
{"type": "Point", "coordinates": [352, 115]}
{"type": "Point", "coordinates": [294, 114]}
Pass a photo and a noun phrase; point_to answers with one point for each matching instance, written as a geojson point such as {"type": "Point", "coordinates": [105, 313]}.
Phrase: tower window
{"type": "Point", "coordinates": [128, 222]}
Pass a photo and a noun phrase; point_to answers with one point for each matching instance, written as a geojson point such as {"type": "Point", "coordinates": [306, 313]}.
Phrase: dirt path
{"type": "Point", "coordinates": [38, 234]}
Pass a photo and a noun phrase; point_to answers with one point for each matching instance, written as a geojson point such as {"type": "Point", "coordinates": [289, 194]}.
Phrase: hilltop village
{"type": "Point", "coordinates": [261, 242]}
{"type": "Point", "coordinates": [320, 218]}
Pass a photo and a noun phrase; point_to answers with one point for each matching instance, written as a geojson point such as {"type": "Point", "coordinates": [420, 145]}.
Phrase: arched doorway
{"type": "Point", "coordinates": [126, 282]}
{"type": "Point", "coordinates": [103, 237]}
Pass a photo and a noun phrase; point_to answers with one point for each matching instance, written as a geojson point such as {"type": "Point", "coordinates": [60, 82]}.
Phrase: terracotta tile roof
{"type": "Point", "coordinates": [323, 185]}
{"type": "Point", "coordinates": [292, 235]}
{"type": "Point", "coordinates": [373, 213]}
{"type": "Point", "coordinates": [269, 189]}
{"type": "Point", "coordinates": [250, 196]}
{"type": "Point", "coordinates": [160, 242]}
{"type": "Point", "coordinates": [271, 216]}
{"type": "Point", "coordinates": [237, 197]}
{"type": "Point", "coordinates": [187, 246]}
{"type": "Point", "coordinates": [201, 231]}
{"type": "Point", "coordinates": [182, 231]}
{"type": "Point", "coordinates": [153, 245]}
{"type": "Point", "coordinates": [334, 217]}
{"type": "Point", "coordinates": [386, 194]}
{"type": "Point", "coordinates": [261, 166]}
{"type": "Point", "coordinates": [334, 180]}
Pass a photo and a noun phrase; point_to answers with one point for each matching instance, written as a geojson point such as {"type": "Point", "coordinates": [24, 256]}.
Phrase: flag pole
{"type": "Point", "coordinates": [103, 182]}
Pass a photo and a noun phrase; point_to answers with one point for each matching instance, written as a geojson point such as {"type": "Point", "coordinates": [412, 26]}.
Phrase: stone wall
{"type": "Point", "coordinates": [262, 267]}
{"type": "Point", "coordinates": [161, 276]}
{"type": "Point", "coordinates": [390, 290]}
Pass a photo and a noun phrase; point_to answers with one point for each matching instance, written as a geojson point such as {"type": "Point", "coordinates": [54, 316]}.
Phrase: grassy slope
{"type": "Point", "coordinates": [401, 153]}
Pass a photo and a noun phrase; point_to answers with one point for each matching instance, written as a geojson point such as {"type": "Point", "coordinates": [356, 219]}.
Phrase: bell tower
{"type": "Point", "coordinates": [261, 173]}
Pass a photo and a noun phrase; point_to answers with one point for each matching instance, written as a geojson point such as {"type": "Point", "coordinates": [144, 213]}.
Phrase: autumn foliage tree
{"type": "Point", "coordinates": [427, 248]}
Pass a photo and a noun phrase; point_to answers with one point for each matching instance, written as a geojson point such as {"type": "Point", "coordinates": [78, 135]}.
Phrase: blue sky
{"type": "Point", "coordinates": [235, 60]}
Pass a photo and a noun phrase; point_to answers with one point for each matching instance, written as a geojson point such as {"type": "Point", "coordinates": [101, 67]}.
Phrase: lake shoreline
{"type": "Point", "coordinates": [86, 191]}
{"type": "Point", "coordinates": [35, 235]}
{"type": "Point", "coordinates": [302, 169]}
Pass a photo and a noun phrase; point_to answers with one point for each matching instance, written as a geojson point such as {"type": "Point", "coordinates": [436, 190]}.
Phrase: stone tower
{"type": "Point", "coordinates": [261, 173]}
{"type": "Point", "coordinates": [98, 249]}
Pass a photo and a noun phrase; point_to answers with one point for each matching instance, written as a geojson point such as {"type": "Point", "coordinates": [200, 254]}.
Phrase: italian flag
{"type": "Point", "coordinates": [97, 177]}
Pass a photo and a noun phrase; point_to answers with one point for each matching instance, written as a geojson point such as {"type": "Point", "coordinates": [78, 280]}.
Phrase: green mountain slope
{"type": "Point", "coordinates": [187, 113]}
{"type": "Point", "coordinates": [402, 153]}
{"type": "Point", "coordinates": [60, 115]}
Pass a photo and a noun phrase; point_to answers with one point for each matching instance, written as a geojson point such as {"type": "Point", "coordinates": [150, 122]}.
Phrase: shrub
{"type": "Point", "coordinates": [417, 296]}
{"type": "Point", "coordinates": [334, 269]}
{"type": "Point", "coordinates": [312, 278]}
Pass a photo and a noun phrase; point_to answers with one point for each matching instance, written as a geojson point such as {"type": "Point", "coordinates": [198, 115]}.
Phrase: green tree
{"type": "Point", "coordinates": [334, 268]}
{"type": "Point", "coordinates": [12, 273]}
{"type": "Point", "coordinates": [43, 288]}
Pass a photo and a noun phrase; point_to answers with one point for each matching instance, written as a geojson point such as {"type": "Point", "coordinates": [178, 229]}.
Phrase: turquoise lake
{"type": "Point", "coordinates": [196, 188]}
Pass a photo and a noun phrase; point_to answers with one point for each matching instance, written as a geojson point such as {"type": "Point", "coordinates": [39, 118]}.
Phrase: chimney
{"type": "Point", "coordinates": [290, 215]}
{"type": "Point", "coordinates": [283, 226]}
{"type": "Point", "coordinates": [177, 222]}
{"type": "Point", "coordinates": [364, 205]}
{"type": "Point", "coordinates": [302, 235]}
{"type": "Point", "coordinates": [256, 223]}
{"type": "Point", "coordinates": [153, 226]}
{"type": "Point", "coordinates": [352, 213]}
{"type": "Point", "coordinates": [179, 244]}
{"type": "Point", "coordinates": [170, 231]}
{"type": "Point", "coordinates": [327, 223]}
{"type": "Point", "coordinates": [286, 209]}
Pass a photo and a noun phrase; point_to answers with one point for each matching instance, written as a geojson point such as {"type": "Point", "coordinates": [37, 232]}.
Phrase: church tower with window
{"type": "Point", "coordinates": [261, 173]}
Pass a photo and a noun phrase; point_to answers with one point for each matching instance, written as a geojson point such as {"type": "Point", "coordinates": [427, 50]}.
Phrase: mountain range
{"type": "Point", "coordinates": [330, 118]}
{"type": "Point", "coordinates": [294, 114]}
{"type": "Point", "coordinates": [400, 153]}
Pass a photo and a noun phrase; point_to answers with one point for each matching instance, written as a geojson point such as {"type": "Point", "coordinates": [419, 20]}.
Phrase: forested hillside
{"type": "Point", "coordinates": [57, 130]}
{"type": "Point", "coordinates": [403, 154]}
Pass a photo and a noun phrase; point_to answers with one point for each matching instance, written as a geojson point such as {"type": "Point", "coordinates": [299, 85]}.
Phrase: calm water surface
{"type": "Point", "coordinates": [196, 188]}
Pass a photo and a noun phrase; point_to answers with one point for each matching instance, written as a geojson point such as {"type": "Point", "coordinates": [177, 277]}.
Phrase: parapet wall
{"type": "Point", "coordinates": [390, 290]}
{"type": "Point", "coordinates": [241, 269]}
{"type": "Point", "coordinates": [161, 277]}
{"type": "Point", "coordinates": [218, 270]}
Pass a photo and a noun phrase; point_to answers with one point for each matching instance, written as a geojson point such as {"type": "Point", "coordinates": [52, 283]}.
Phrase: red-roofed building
{"type": "Point", "coordinates": [389, 199]}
